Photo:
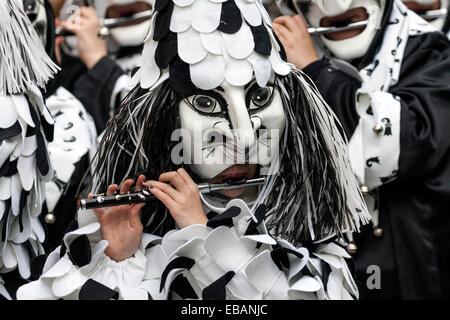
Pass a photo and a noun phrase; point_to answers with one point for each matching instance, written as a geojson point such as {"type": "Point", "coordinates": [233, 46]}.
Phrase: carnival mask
{"type": "Point", "coordinates": [434, 11]}
{"type": "Point", "coordinates": [231, 125]}
{"type": "Point", "coordinates": [346, 45]}
{"type": "Point", "coordinates": [129, 35]}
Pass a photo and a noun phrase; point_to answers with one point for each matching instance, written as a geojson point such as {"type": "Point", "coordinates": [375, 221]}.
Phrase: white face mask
{"type": "Point", "coordinates": [251, 118]}
{"type": "Point", "coordinates": [354, 47]}
{"type": "Point", "coordinates": [125, 36]}
{"type": "Point", "coordinates": [35, 10]}
{"type": "Point", "coordinates": [438, 23]}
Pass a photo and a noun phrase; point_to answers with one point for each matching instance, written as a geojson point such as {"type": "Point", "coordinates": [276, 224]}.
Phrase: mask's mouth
{"type": "Point", "coordinates": [128, 10]}
{"type": "Point", "coordinates": [343, 20]}
{"type": "Point", "coordinates": [235, 174]}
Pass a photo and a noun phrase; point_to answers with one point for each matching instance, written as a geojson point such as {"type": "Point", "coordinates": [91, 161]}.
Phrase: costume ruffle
{"type": "Point", "coordinates": [26, 126]}
{"type": "Point", "coordinates": [233, 257]}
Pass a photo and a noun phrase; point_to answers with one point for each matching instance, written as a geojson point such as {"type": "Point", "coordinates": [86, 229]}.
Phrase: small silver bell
{"type": "Point", "coordinates": [378, 129]}
{"type": "Point", "coordinates": [378, 232]}
{"type": "Point", "coordinates": [364, 190]}
{"type": "Point", "coordinates": [50, 218]}
{"type": "Point", "coordinates": [352, 248]}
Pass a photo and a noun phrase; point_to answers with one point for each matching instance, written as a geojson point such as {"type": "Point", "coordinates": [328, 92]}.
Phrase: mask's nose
{"type": "Point", "coordinates": [333, 8]}
{"type": "Point", "coordinates": [242, 127]}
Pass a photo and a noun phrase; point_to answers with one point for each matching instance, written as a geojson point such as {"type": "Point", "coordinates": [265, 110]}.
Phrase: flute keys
{"type": "Point", "coordinates": [103, 32]}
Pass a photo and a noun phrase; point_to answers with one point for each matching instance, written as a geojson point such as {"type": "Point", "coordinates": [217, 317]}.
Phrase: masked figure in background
{"type": "Point", "coordinates": [26, 126]}
{"type": "Point", "coordinates": [74, 139]}
{"type": "Point", "coordinates": [97, 66]}
{"type": "Point", "coordinates": [436, 12]}
{"type": "Point", "coordinates": [213, 76]}
{"type": "Point", "coordinates": [388, 85]}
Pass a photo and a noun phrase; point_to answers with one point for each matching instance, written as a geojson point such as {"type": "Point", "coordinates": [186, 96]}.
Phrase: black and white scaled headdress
{"type": "Point", "coordinates": [195, 45]}
{"type": "Point", "coordinates": [25, 128]}
{"type": "Point", "coordinates": [201, 43]}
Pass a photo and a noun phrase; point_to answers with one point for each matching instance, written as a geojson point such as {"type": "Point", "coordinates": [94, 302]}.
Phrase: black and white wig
{"type": "Point", "coordinates": [313, 195]}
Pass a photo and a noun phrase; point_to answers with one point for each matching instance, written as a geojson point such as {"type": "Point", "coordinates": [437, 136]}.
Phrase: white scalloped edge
{"type": "Point", "coordinates": [195, 21]}
{"type": "Point", "coordinates": [215, 251]}
{"type": "Point", "coordinates": [13, 252]}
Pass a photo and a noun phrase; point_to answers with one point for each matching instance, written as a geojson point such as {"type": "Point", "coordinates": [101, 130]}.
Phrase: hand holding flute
{"type": "Point", "coordinates": [121, 225]}
{"type": "Point", "coordinates": [296, 40]}
{"type": "Point", "coordinates": [86, 26]}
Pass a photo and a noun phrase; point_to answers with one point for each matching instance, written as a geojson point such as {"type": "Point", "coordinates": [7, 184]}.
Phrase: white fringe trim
{"type": "Point", "coordinates": [23, 59]}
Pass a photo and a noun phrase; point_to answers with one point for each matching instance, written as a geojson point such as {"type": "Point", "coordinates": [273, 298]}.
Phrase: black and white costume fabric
{"type": "Point", "coordinates": [393, 114]}
{"type": "Point", "coordinates": [75, 136]}
{"type": "Point", "coordinates": [26, 127]}
{"type": "Point", "coordinates": [71, 152]}
{"type": "Point", "coordinates": [375, 144]}
{"type": "Point", "coordinates": [73, 146]}
{"type": "Point", "coordinates": [234, 257]}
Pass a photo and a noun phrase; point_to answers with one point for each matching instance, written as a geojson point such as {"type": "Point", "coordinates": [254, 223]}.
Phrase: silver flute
{"type": "Point", "coordinates": [325, 30]}
{"type": "Point", "coordinates": [434, 14]}
{"type": "Point", "coordinates": [112, 23]}
{"type": "Point", "coordinates": [144, 195]}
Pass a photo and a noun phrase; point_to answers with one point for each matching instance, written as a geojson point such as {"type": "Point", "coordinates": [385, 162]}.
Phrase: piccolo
{"type": "Point", "coordinates": [434, 14]}
{"type": "Point", "coordinates": [325, 30]}
{"type": "Point", "coordinates": [112, 23]}
{"type": "Point", "coordinates": [144, 195]}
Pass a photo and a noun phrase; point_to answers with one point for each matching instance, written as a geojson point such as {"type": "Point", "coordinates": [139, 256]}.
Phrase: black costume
{"type": "Point", "coordinates": [413, 252]}
{"type": "Point", "coordinates": [97, 88]}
